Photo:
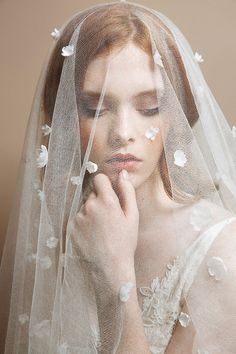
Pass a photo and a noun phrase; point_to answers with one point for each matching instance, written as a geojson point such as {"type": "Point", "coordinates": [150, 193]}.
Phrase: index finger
{"type": "Point", "coordinates": [103, 186]}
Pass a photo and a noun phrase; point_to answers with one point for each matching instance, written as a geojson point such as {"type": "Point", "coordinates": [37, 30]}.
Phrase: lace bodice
{"type": "Point", "coordinates": [163, 299]}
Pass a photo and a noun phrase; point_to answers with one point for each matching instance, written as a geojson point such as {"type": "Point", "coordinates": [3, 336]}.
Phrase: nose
{"type": "Point", "coordinates": [122, 129]}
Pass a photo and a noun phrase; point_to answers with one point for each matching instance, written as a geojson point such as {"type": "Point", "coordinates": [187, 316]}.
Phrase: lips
{"type": "Point", "coordinates": [123, 157]}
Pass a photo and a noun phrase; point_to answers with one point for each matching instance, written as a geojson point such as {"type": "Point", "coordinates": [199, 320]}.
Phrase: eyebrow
{"type": "Point", "coordinates": [93, 96]}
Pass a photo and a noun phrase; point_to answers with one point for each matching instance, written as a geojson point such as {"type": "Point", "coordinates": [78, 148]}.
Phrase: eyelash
{"type": "Point", "coordinates": [146, 112]}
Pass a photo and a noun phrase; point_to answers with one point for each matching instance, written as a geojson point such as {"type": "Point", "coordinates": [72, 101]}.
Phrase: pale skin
{"type": "Point", "coordinates": [116, 203]}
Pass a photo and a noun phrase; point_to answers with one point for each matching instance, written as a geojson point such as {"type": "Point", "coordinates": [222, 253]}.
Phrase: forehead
{"type": "Point", "coordinates": [124, 74]}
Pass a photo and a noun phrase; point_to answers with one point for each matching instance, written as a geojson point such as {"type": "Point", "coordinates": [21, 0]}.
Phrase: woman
{"type": "Point", "coordinates": [124, 228]}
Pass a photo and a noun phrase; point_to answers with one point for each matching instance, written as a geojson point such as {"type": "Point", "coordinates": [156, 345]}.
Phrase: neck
{"type": "Point", "coordinates": [152, 199]}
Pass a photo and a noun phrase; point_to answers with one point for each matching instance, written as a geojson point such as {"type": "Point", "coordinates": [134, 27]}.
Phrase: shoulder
{"type": "Point", "coordinates": [211, 299]}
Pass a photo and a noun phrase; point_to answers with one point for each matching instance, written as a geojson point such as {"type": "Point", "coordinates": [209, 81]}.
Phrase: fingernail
{"type": "Point", "coordinates": [125, 174]}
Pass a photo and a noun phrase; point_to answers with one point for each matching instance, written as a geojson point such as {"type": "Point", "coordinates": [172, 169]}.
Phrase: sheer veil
{"type": "Point", "coordinates": [49, 294]}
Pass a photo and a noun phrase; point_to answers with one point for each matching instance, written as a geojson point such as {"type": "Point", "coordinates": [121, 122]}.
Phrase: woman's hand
{"type": "Point", "coordinates": [106, 228]}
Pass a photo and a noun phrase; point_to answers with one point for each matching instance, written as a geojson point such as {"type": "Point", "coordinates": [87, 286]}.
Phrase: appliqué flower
{"type": "Point", "coordinates": [159, 312]}
{"type": "Point", "coordinates": [52, 242]}
{"type": "Point", "coordinates": [125, 291]}
{"type": "Point", "coordinates": [23, 318]}
{"type": "Point", "coordinates": [157, 59]}
{"type": "Point", "coordinates": [45, 262]}
{"type": "Point", "coordinates": [202, 352]}
{"type": "Point", "coordinates": [234, 131]}
{"type": "Point", "coordinates": [40, 195]}
{"type": "Point", "coordinates": [180, 158]}
{"type": "Point", "coordinates": [46, 129]}
{"type": "Point", "coordinates": [151, 133]}
{"type": "Point", "coordinates": [41, 329]}
{"type": "Point", "coordinates": [91, 167]}
{"type": "Point", "coordinates": [42, 159]}
{"type": "Point", "coordinates": [200, 217]}
{"type": "Point", "coordinates": [216, 268]}
{"type": "Point", "coordinates": [76, 180]}
{"type": "Point", "coordinates": [68, 50]}
{"type": "Point", "coordinates": [184, 319]}
{"type": "Point", "coordinates": [55, 33]}
{"type": "Point", "coordinates": [198, 57]}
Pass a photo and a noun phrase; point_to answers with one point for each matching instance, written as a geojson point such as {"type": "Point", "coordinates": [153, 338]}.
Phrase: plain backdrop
{"type": "Point", "coordinates": [25, 27]}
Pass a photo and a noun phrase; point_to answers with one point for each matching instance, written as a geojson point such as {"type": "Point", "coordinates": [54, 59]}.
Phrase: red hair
{"type": "Point", "coordinates": [111, 27]}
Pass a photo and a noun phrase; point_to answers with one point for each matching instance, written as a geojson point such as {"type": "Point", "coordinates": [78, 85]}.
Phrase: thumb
{"type": "Point", "coordinates": [127, 194]}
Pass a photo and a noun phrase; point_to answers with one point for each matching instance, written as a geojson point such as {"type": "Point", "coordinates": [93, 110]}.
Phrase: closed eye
{"type": "Point", "coordinates": [149, 112]}
{"type": "Point", "coordinates": [92, 112]}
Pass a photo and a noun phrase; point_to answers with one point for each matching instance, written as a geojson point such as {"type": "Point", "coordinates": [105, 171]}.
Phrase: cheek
{"type": "Point", "coordinates": [154, 148]}
{"type": "Point", "coordinates": [85, 131]}
{"type": "Point", "coordinates": [98, 139]}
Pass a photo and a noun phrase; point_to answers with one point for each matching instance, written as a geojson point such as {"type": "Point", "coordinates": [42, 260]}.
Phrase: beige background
{"type": "Point", "coordinates": [25, 28]}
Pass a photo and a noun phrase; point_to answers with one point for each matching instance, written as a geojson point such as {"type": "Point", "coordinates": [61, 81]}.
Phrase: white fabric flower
{"type": "Point", "coordinates": [200, 217]}
{"type": "Point", "coordinates": [234, 131]}
{"type": "Point", "coordinates": [184, 319]}
{"type": "Point", "coordinates": [157, 59]}
{"type": "Point", "coordinates": [180, 158]}
{"type": "Point", "coordinates": [91, 167]}
{"type": "Point", "coordinates": [52, 242]}
{"type": "Point", "coordinates": [23, 318]}
{"type": "Point", "coordinates": [202, 352]}
{"type": "Point", "coordinates": [40, 195]}
{"type": "Point", "coordinates": [46, 129]}
{"type": "Point", "coordinates": [198, 57]}
{"type": "Point", "coordinates": [125, 291]}
{"type": "Point", "coordinates": [45, 262]}
{"type": "Point", "coordinates": [216, 268]}
{"type": "Point", "coordinates": [68, 50]}
{"type": "Point", "coordinates": [151, 133]}
{"type": "Point", "coordinates": [42, 159]}
{"type": "Point", "coordinates": [55, 33]}
{"type": "Point", "coordinates": [76, 180]}
{"type": "Point", "coordinates": [41, 329]}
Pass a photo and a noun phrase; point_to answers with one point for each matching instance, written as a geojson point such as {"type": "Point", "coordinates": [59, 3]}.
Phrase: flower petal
{"type": "Point", "coordinates": [42, 158]}
{"type": "Point", "coordinates": [184, 319]}
{"type": "Point", "coordinates": [151, 133]}
{"type": "Point", "coordinates": [40, 195]}
{"type": "Point", "coordinates": [68, 50]}
{"type": "Point", "coordinates": [216, 268]}
{"type": "Point", "coordinates": [55, 33]}
{"type": "Point", "coordinates": [125, 291]}
{"type": "Point", "coordinates": [76, 180]}
{"type": "Point", "coordinates": [91, 167]}
{"type": "Point", "coordinates": [180, 158]}
{"type": "Point", "coordinates": [198, 57]}
{"type": "Point", "coordinates": [46, 129]}
{"type": "Point", "coordinates": [52, 242]}
{"type": "Point", "coordinates": [157, 59]}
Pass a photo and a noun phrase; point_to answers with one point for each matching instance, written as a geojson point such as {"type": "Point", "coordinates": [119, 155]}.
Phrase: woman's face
{"type": "Point", "coordinates": [129, 109]}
